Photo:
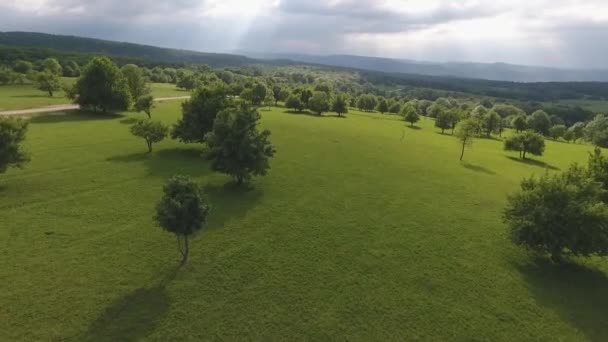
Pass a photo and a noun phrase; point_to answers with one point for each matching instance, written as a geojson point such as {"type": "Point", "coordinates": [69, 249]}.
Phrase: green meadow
{"type": "Point", "coordinates": [364, 229]}
{"type": "Point", "coordinates": [25, 96]}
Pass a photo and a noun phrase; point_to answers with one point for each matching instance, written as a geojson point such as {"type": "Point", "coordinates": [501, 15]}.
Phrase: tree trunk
{"type": "Point", "coordinates": [186, 250]}
{"type": "Point", "coordinates": [239, 180]}
{"type": "Point", "coordinates": [149, 146]}
{"type": "Point", "coordinates": [556, 256]}
{"type": "Point", "coordinates": [442, 130]}
{"type": "Point", "coordinates": [524, 156]}
{"type": "Point", "coordinates": [50, 93]}
{"type": "Point", "coordinates": [462, 153]}
{"type": "Point", "coordinates": [149, 115]}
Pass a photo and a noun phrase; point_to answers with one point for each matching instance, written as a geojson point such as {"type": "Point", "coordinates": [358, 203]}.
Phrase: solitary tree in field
{"type": "Point", "coordinates": [145, 104]}
{"type": "Point", "coordinates": [151, 131]}
{"type": "Point", "coordinates": [339, 105]}
{"type": "Point", "coordinates": [199, 112]}
{"type": "Point", "coordinates": [410, 114]}
{"type": "Point", "coordinates": [136, 81]}
{"type": "Point", "coordinates": [305, 95]}
{"type": "Point", "coordinates": [466, 132]}
{"type": "Point", "coordinates": [182, 211]}
{"type": "Point", "coordinates": [540, 122]}
{"type": "Point", "coordinates": [559, 214]}
{"type": "Point", "coordinates": [294, 102]}
{"type": "Point", "coordinates": [443, 119]}
{"type": "Point", "coordinates": [519, 123]}
{"type": "Point", "coordinates": [236, 147]}
{"type": "Point", "coordinates": [102, 87]}
{"type": "Point", "coordinates": [557, 131]}
{"type": "Point", "coordinates": [491, 122]}
{"type": "Point", "coordinates": [12, 135]}
{"type": "Point", "coordinates": [382, 106]}
{"type": "Point", "coordinates": [319, 102]}
{"type": "Point", "coordinates": [48, 82]}
{"type": "Point", "coordinates": [526, 142]}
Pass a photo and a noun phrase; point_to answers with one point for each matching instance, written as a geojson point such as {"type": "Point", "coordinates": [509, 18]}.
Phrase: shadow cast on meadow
{"type": "Point", "coordinates": [168, 162]}
{"type": "Point", "coordinates": [534, 162]}
{"type": "Point", "coordinates": [133, 316]}
{"type": "Point", "coordinates": [477, 168]}
{"type": "Point", "coordinates": [72, 116]}
{"type": "Point", "coordinates": [577, 293]}
{"type": "Point", "coordinates": [229, 201]}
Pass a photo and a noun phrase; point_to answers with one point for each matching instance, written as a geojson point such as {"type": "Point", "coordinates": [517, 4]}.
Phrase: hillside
{"type": "Point", "coordinates": [494, 71]}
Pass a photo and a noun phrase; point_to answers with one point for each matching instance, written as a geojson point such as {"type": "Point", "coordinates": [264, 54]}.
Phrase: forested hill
{"type": "Point", "coordinates": [130, 50]}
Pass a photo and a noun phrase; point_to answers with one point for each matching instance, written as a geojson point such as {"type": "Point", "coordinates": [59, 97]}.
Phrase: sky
{"type": "Point", "coordinates": [558, 33]}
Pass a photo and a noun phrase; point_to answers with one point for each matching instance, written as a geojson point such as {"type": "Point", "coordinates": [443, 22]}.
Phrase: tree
{"type": "Point", "coordinates": [454, 116]}
{"type": "Point", "coordinates": [12, 135]}
{"type": "Point", "coordinates": [557, 131]}
{"type": "Point", "coordinates": [71, 69]}
{"type": "Point", "coordinates": [102, 87]}
{"type": "Point", "coordinates": [490, 122]}
{"type": "Point", "coordinates": [382, 106]}
{"type": "Point", "coordinates": [505, 110]}
{"type": "Point", "coordinates": [23, 67]}
{"type": "Point", "coordinates": [339, 105]}
{"type": "Point", "coordinates": [182, 211]}
{"type": "Point", "coordinates": [305, 95]}
{"type": "Point", "coordinates": [294, 102]}
{"type": "Point", "coordinates": [258, 94]}
{"type": "Point", "coordinates": [443, 120]}
{"type": "Point", "coordinates": [597, 167]}
{"type": "Point", "coordinates": [410, 114]}
{"type": "Point", "coordinates": [151, 131]}
{"type": "Point", "coordinates": [395, 108]}
{"type": "Point", "coordinates": [526, 142]}
{"type": "Point", "coordinates": [52, 65]}
{"type": "Point", "coordinates": [367, 102]}
{"type": "Point", "coordinates": [319, 102]}
{"type": "Point", "coordinates": [188, 82]}
{"type": "Point", "coordinates": [519, 123]}
{"type": "Point", "coordinates": [145, 104]}
{"type": "Point", "coordinates": [466, 132]}
{"type": "Point", "coordinates": [569, 136]}
{"type": "Point", "coordinates": [199, 112]}
{"type": "Point", "coordinates": [559, 214]}
{"type": "Point", "coordinates": [540, 122]}
{"type": "Point", "coordinates": [283, 95]}
{"type": "Point", "coordinates": [578, 131]}
{"type": "Point", "coordinates": [596, 130]}
{"type": "Point", "coordinates": [269, 100]}
{"type": "Point", "coordinates": [435, 110]}
{"type": "Point", "coordinates": [236, 147]}
{"type": "Point", "coordinates": [136, 81]}
{"type": "Point", "coordinates": [423, 106]}
{"type": "Point", "coordinates": [276, 92]}
{"type": "Point", "coordinates": [47, 81]}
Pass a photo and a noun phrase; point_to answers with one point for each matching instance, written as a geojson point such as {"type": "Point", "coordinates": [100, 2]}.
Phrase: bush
{"type": "Point", "coordinates": [12, 135]}
{"type": "Point", "coordinates": [526, 142]}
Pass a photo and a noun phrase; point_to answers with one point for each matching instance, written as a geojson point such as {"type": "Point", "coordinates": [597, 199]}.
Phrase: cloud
{"type": "Point", "coordinates": [541, 32]}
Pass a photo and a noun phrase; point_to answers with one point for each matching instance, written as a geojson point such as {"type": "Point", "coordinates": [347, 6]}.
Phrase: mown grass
{"type": "Point", "coordinates": [364, 229]}
{"type": "Point", "coordinates": [26, 96]}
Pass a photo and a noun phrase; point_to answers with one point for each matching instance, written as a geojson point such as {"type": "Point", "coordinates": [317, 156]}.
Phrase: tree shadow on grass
{"type": "Point", "coordinates": [133, 316]}
{"type": "Point", "coordinates": [305, 112]}
{"type": "Point", "coordinates": [128, 121]}
{"type": "Point", "coordinates": [534, 162]}
{"type": "Point", "coordinates": [416, 128]}
{"type": "Point", "coordinates": [229, 201]}
{"type": "Point", "coordinates": [165, 163]}
{"type": "Point", "coordinates": [577, 293]}
{"type": "Point", "coordinates": [33, 96]}
{"type": "Point", "coordinates": [72, 116]}
{"type": "Point", "coordinates": [477, 168]}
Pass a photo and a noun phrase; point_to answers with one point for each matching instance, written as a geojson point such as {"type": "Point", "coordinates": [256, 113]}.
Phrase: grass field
{"type": "Point", "coordinates": [596, 106]}
{"type": "Point", "coordinates": [26, 96]}
{"type": "Point", "coordinates": [364, 229]}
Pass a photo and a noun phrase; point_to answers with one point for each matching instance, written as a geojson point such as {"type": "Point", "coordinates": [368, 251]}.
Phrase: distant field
{"type": "Point", "coordinates": [26, 96]}
{"type": "Point", "coordinates": [364, 229]}
{"type": "Point", "coordinates": [592, 105]}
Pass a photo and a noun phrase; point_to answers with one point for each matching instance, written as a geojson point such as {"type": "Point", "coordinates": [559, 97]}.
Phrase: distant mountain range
{"type": "Point", "coordinates": [493, 71]}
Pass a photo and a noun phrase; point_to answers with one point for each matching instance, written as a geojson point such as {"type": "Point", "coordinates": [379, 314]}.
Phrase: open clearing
{"type": "Point", "coordinates": [364, 229]}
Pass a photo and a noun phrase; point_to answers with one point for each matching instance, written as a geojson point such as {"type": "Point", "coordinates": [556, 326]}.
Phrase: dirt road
{"type": "Point", "coordinates": [66, 107]}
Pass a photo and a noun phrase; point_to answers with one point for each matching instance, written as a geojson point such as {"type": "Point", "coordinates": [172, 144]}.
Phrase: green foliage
{"type": "Point", "coordinates": [577, 130]}
{"type": "Point", "coordinates": [557, 131]}
{"type": "Point", "coordinates": [367, 102]}
{"type": "Point", "coordinates": [12, 135]}
{"type": "Point", "coordinates": [491, 122]}
{"type": "Point", "coordinates": [199, 112]}
{"type": "Point", "coordinates": [466, 131]}
{"type": "Point", "coordinates": [319, 102]}
{"type": "Point", "coordinates": [258, 94]}
{"type": "Point", "coordinates": [559, 214]}
{"type": "Point", "coordinates": [444, 118]}
{"type": "Point", "coordinates": [339, 105]}
{"type": "Point", "coordinates": [395, 107]}
{"type": "Point", "coordinates": [52, 65]}
{"type": "Point", "coordinates": [435, 110]}
{"type": "Point", "coordinates": [305, 95]}
{"type": "Point", "coordinates": [505, 110]}
{"type": "Point", "coordinates": [48, 82]}
{"type": "Point", "coordinates": [151, 131]}
{"type": "Point", "coordinates": [382, 105]}
{"type": "Point", "coordinates": [596, 131]}
{"type": "Point", "coordinates": [71, 69]}
{"type": "Point", "coordinates": [519, 123]}
{"type": "Point", "coordinates": [540, 122]}
{"type": "Point", "coordinates": [182, 210]}
{"type": "Point", "coordinates": [102, 87]}
{"type": "Point", "coordinates": [294, 102]}
{"type": "Point", "coordinates": [410, 114]}
{"type": "Point", "coordinates": [526, 142]}
{"type": "Point", "coordinates": [138, 86]}
{"type": "Point", "coordinates": [145, 104]}
{"type": "Point", "coordinates": [236, 147]}
{"type": "Point", "coordinates": [23, 67]}
{"type": "Point", "coordinates": [188, 82]}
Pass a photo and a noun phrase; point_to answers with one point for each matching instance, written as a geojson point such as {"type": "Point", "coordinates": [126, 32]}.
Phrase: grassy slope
{"type": "Point", "coordinates": [26, 96]}
{"type": "Point", "coordinates": [355, 233]}
{"type": "Point", "coordinates": [596, 106]}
